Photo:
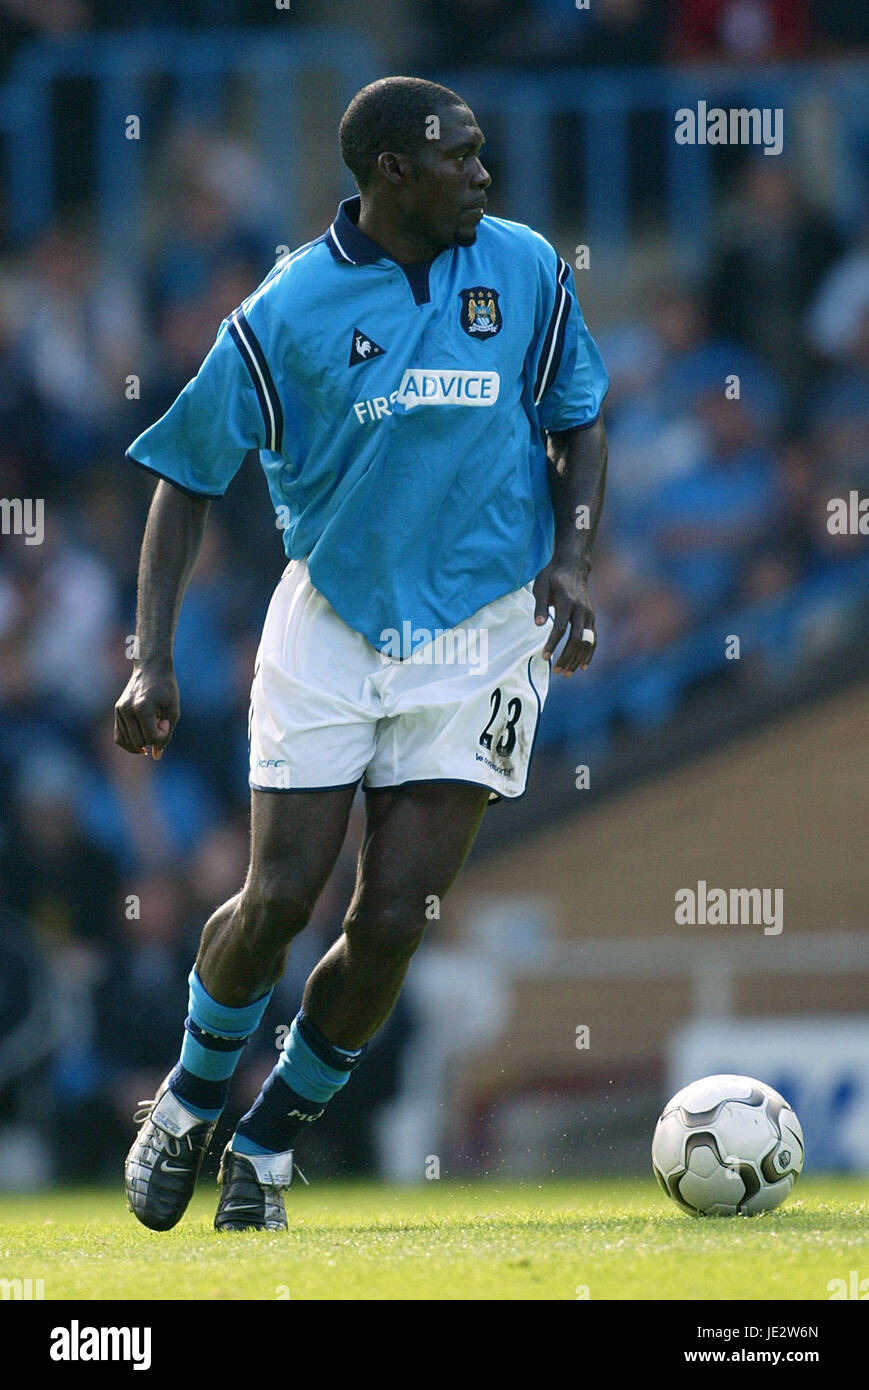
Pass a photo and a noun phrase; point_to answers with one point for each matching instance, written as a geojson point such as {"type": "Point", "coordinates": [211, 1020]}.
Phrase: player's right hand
{"type": "Point", "coordinates": [148, 710]}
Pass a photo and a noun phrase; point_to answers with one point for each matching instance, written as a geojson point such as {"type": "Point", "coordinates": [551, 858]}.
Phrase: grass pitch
{"type": "Point", "coordinates": [444, 1240]}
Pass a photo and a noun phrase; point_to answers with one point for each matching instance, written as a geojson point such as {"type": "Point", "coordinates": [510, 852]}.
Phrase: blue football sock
{"type": "Point", "coordinates": [309, 1072]}
{"type": "Point", "coordinates": [214, 1036]}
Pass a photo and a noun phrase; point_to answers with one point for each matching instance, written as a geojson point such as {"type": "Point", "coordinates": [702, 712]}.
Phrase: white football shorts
{"type": "Point", "coordinates": [327, 708]}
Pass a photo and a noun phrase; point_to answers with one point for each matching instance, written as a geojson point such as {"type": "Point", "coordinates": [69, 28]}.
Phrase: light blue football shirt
{"type": "Point", "coordinates": [398, 412]}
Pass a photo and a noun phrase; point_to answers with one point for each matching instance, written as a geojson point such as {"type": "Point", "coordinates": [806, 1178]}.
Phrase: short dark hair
{"type": "Point", "coordinates": [389, 114]}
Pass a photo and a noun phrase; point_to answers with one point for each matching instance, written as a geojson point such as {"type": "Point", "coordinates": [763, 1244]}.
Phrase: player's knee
{"type": "Point", "coordinates": [273, 909]}
{"type": "Point", "coordinates": [390, 933]}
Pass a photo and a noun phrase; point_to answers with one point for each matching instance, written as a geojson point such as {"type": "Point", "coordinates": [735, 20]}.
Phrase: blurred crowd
{"type": "Point", "coordinates": [636, 33]}
{"type": "Point", "coordinates": [738, 408]}
{"type": "Point", "coordinates": [109, 866]}
{"type": "Point", "coordinates": [512, 32]}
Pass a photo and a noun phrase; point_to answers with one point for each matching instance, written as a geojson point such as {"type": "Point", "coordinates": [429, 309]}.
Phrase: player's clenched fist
{"type": "Point", "coordinates": [148, 710]}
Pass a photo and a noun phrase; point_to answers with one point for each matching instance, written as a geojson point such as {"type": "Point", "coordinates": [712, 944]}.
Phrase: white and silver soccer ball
{"type": "Point", "coordinates": [727, 1146]}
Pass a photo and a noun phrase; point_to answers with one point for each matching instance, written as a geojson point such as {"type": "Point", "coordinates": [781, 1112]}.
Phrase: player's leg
{"type": "Point", "coordinates": [417, 837]}
{"type": "Point", "coordinates": [308, 730]}
{"type": "Point", "coordinates": [295, 840]}
{"type": "Point", "coordinates": [450, 730]}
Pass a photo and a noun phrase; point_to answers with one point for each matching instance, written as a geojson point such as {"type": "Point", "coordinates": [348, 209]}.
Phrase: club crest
{"type": "Point", "coordinates": [481, 312]}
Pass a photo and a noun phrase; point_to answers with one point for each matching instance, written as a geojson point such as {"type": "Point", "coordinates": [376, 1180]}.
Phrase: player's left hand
{"type": "Point", "coordinates": [565, 589]}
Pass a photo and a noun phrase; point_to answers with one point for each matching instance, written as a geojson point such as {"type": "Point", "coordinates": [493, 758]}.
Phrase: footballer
{"type": "Point", "coordinates": [426, 402]}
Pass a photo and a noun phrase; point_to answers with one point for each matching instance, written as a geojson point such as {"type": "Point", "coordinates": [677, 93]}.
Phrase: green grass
{"type": "Point", "coordinates": [442, 1240]}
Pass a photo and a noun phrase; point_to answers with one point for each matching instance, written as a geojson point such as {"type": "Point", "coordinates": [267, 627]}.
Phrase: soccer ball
{"type": "Point", "coordinates": [727, 1146]}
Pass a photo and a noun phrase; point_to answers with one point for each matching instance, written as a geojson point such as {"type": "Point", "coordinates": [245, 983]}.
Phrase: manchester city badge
{"type": "Point", "coordinates": [481, 312]}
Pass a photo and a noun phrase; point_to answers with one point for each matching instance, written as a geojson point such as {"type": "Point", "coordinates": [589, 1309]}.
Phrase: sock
{"type": "Point", "coordinates": [309, 1072]}
{"type": "Point", "coordinates": [214, 1036]}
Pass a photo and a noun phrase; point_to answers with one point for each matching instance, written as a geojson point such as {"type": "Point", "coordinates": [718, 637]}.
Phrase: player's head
{"type": "Point", "coordinates": [415, 145]}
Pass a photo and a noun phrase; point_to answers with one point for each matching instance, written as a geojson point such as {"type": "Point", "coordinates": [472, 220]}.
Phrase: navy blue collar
{"type": "Point", "coordinates": [353, 247]}
{"type": "Point", "coordinates": [345, 240]}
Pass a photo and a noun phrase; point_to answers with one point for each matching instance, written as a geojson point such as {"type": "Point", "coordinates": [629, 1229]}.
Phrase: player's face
{"type": "Point", "coordinates": [448, 192]}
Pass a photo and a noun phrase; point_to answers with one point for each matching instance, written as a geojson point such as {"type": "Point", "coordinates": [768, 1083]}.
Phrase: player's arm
{"type": "Point", "coordinates": [196, 448]}
{"type": "Point", "coordinates": [149, 707]}
{"type": "Point", "coordinates": [577, 481]}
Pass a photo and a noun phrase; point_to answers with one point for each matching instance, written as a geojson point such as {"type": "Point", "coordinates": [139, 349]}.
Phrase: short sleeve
{"type": "Point", "coordinates": [201, 441]}
{"type": "Point", "coordinates": [570, 380]}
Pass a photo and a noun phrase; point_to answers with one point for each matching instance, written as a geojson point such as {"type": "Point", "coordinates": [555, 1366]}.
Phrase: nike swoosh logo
{"type": "Point", "coordinates": [171, 1168]}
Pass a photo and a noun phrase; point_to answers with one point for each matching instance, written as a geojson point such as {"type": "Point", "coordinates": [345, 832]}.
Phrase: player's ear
{"type": "Point", "coordinates": [393, 167]}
